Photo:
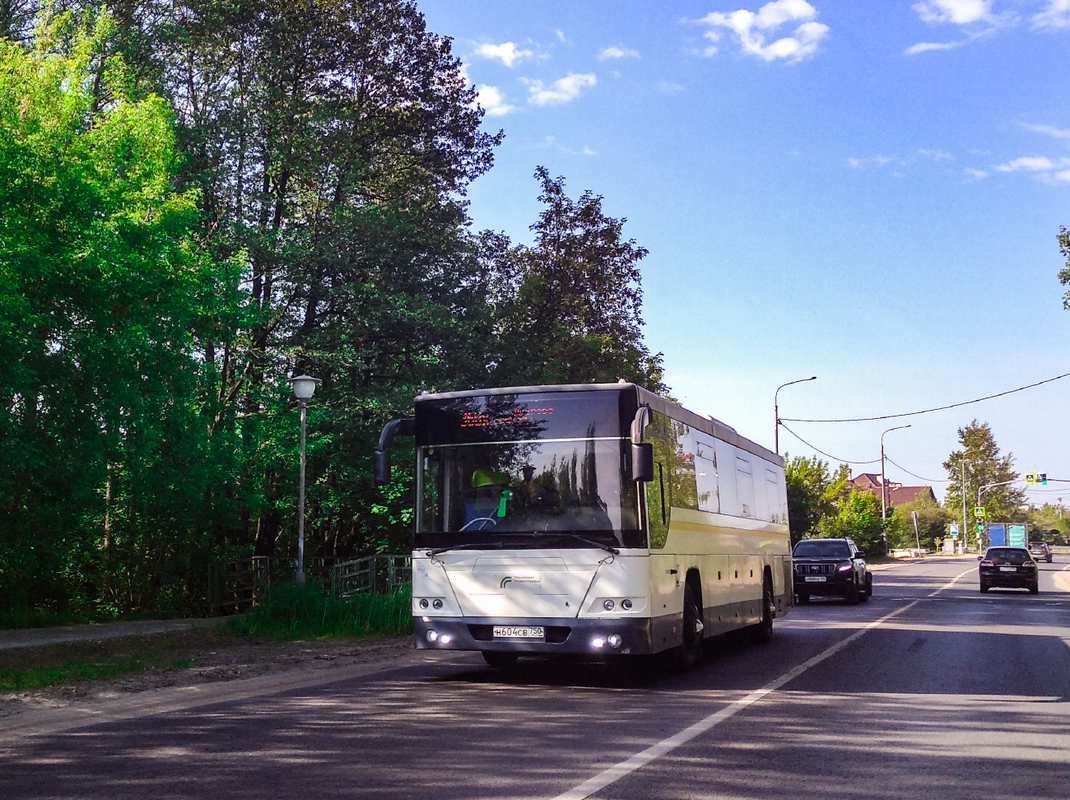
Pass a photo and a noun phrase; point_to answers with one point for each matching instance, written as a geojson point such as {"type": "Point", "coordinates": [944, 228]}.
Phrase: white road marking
{"type": "Point", "coordinates": [641, 759]}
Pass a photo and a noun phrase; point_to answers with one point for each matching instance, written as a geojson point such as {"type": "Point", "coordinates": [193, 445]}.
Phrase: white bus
{"type": "Point", "coordinates": [588, 520]}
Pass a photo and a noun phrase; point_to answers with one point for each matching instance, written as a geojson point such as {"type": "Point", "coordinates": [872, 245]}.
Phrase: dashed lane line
{"type": "Point", "coordinates": [656, 751]}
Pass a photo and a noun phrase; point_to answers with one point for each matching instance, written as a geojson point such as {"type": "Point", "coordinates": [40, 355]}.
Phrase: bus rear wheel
{"type": "Point", "coordinates": [763, 631]}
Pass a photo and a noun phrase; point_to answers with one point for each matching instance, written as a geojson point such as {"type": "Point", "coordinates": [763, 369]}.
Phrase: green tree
{"type": "Point", "coordinates": [979, 465]}
{"type": "Point", "coordinates": [859, 517]}
{"type": "Point", "coordinates": [332, 143]}
{"type": "Point", "coordinates": [932, 523]}
{"type": "Point", "coordinates": [99, 292]}
{"type": "Point", "coordinates": [570, 306]}
{"type": "Point", "coordinates": [1050, 523]}
{"type": "Point", "coordinates": [1064, 273]}
{"type": "Point", "coordinates": [813, 493]}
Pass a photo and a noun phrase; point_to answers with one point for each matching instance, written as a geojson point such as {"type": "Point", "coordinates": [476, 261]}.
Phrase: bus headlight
{"type": "Point", "coordinates": [608, 605]}
{"type": "Point", "coordinates": [614, 640]}
{"type": "Point", "coordinates": [432, 636]}
{"type": "Point", "coordinates": [437, 605]}
{"type": "Point", "coordinates": [626, 604]}
{"type": "Point", "coordinates": [423, 603]}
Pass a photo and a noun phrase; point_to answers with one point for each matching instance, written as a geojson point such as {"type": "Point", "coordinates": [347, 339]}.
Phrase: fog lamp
{"type": "Point", "coordinates": [432, 636]}
{"type": "Point", "coordinates": [614, 640]}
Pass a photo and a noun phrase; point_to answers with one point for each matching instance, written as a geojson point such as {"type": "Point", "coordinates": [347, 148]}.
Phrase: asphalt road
{"type": "Point", "coordinates": [929, 690]}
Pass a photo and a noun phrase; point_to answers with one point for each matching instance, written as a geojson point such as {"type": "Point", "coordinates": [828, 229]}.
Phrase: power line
{"type": "Point", "coordinates": [822, 452]}
{"type": "Point", "coordinates": [919, 477]}
{"type": "Point", "coordinates": [931, 410]}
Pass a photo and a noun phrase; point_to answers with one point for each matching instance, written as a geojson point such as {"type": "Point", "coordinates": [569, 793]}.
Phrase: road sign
{"type": "Point", "coordinates": [1037, 477]}
{"type": "Point", "coordinates": [979, 511]}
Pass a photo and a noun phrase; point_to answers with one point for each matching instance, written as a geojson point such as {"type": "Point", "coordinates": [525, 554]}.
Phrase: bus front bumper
{"type": "Point", "coordinates": [573, 637]}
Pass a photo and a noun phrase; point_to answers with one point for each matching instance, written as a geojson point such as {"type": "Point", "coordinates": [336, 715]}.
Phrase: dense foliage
{"type": "Point", "coordinates": [201, 198]}
{"type": "Point", "coordinates": [823, 504]}
{"type": "Point", "coordinates": [987, 478]}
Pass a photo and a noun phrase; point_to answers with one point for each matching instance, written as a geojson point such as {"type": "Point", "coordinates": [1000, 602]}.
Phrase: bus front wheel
{"type": "Point", "coordinates": [687, 654]}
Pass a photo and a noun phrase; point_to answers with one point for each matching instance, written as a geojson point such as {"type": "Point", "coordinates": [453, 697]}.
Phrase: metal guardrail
{"type": "Point", "coordinates": [237, 586]}
{"type": "Point", "coordinates": [376, 574]}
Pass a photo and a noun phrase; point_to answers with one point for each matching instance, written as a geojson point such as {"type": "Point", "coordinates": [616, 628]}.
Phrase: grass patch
{"type": "Point", "coordinates": [298, 611]}
{"type": "Point", "coordinates": [73, 662]}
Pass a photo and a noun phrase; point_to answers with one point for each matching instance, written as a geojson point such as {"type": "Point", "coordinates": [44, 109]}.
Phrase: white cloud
{"type": "Point", "coordinates": [974, 18]}
{"type": "Point", "coordinates": [563, 90]}
{"type": "Point", "coordinates": [668, 87]}
{"type": "Point", "coordinates": [493, 101]}
{"type": "Point", "coordinates": [752, 28]}
{"type": "Point", "coordinates": [876, 161]}
{"type": "Point", "coordinates": [923, 47]}
{"type": "Point", "coordinates": [1048, 130]}
{"type": "Point", "coordinates": [935, 155]}
{"type": "Point", "coordinates": [957, 12]}
{"type": "Point", "coordinates": [506, 52]}
{"type": "Point", "coordinates": [974, 174]}
{"type": "Point", "coordinates": [1046, 169]}
{"type": "Point", "coordinates": [551, 142]}
{"type": "Point", "coordinates": [1055, 16]}
{"type": "Point", "coordinates": [618, 52]}
{"type": "Point", "coordinates": [1034, 164]}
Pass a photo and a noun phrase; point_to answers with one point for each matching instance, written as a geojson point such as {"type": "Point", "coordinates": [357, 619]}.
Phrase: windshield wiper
{"type": "Point", "coordinates": [468, 546]}
{"type": "Point", "coordinates": [607, 547]}
{"type": "Point", "coordinates": [534, 535]}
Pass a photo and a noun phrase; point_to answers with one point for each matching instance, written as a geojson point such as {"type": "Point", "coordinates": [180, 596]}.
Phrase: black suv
{"type": "Point", "coordinates": [1011, 567]}
{"type": "Point", "coordinates": [831, 567]}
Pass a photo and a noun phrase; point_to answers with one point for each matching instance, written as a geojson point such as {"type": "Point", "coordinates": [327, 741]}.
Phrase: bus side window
{"type": "Point", "coordinates": [709, 498]}
{"type": "Point", "coordinates": [774, 508]}
{"type": "Point", "coordinates": [744, 487]}
{"type": "Point", "coordinates": [684, 487]}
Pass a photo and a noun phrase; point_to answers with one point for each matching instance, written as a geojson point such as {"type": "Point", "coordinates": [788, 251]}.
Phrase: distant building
{"type": "Point", "coordinates": [894, 493]}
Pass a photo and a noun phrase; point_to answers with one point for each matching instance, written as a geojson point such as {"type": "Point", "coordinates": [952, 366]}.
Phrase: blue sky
{"type": "Point", "coordinates": [866, 192]}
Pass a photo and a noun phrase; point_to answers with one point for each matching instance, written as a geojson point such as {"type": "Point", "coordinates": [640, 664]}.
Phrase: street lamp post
{"type": "Point", "coordinates": [884, 488]}
{"type": "Point", "coordinates": [304, 386]}
{"type": "Point", "coordinates": [776, 411]}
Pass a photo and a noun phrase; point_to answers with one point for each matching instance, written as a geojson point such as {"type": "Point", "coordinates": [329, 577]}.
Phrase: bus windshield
{"type": "Point", "coordinates": [548, 487]}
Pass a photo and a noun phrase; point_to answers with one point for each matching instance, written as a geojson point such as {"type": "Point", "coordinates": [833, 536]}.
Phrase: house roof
{"type": "Point", "coordinates": [897, 493]}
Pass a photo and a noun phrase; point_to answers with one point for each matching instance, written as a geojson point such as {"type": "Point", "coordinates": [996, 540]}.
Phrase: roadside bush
{"type": "Point", "coordinates": [301, 611]}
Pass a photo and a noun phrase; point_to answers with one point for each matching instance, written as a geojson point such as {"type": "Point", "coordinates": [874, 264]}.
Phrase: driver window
{"type": "Point", "coordinates": [658, 491]}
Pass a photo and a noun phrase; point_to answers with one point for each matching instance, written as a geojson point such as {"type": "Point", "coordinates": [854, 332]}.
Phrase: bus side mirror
{"type": "Point", "coordinates": [405, 426]}
{"type": "Point", "coordinates": [643, 462]}
{"type": "Point", "coordinates": [381, 467]}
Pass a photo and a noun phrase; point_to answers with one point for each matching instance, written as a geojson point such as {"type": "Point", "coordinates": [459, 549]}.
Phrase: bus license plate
{"type": "Point", "coordinates": [815, 578]}
{"type": "Point", "coordinates": [514, 632]}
